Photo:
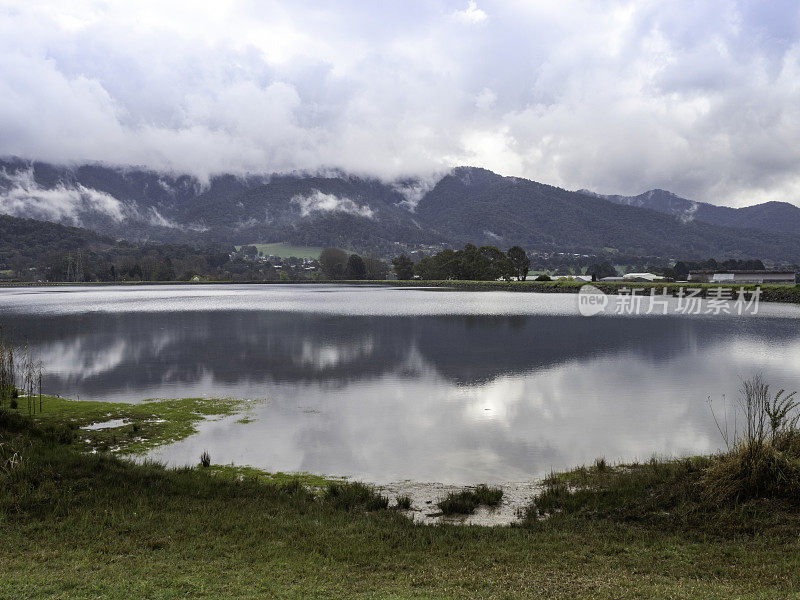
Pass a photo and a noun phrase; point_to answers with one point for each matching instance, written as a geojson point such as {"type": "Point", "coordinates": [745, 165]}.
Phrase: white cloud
{"type": "Point", "coordinates": [413, 190]}
{"type": "Point", "coordinates": [321, 202]}
{"type": "Point", "coordinates": [22, 196]}
{"type": "Point", "coordinates": [471, 14]}
{"type": "Point", "coordinates": [612, 95]}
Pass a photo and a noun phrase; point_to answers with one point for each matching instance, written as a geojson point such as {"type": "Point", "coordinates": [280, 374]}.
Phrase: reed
{"type": "Point", "coordinates": [20, 376]}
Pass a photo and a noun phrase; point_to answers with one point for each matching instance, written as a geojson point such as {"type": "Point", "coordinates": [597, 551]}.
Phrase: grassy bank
{"type": "Point", "coordinates": [769, 293]}
{"type": "Point", "coordinates": [80, 525]}
{"type": "Point", "coordinates": [139, 428]}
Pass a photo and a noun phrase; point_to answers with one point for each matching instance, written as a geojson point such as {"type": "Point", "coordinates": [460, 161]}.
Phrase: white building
{"type": "Point", "coordinates": [645, 276]}
{"type": "Point", "coordinates": [744, 277]}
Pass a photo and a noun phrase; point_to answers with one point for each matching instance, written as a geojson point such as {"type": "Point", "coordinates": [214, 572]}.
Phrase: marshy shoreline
{"type": "Point", "coordinates": [80, 521]}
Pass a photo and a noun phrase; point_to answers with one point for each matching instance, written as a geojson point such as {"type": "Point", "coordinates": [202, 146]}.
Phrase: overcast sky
{"type": "Point", "coordinates": [701, 98]}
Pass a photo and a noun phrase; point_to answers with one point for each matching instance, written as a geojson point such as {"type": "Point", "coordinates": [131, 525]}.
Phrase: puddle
{"type": "Point", "coordinates": [107, 424]}
{"type": "Point", "coordinates": [424, 496]}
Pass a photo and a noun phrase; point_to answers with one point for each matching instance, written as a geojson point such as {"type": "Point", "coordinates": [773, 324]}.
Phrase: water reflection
{"type": "Point", "coordinates": [450, 398]}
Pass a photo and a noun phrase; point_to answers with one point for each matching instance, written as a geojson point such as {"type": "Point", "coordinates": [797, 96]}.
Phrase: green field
{"type": "Point", "coordinates": [285, 250]}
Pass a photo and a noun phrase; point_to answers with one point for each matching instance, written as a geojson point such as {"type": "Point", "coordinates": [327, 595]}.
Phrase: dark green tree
{"type": "Point", "coordinates": [355, 269]}
{"type": "Point", "coordinates": [403, 267]}
{"type": "Point", "coordinates": [605, 269]}
{"type": "Point", "coordinates": [499, 265]}
{"type": "Point", "coordinates": [472, 265]}
{"type": "Point", "coordinates": [681, 270]}
{"type": "Point", "coordinates": [333, 263]}
{"type": "Point", "coordinates": [520, 262]}
{"type": "Point", "coordinates": [376, 268]}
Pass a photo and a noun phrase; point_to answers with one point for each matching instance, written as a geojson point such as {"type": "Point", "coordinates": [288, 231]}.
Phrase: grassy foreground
{"type": "Point", "coordinates": [79, 525]}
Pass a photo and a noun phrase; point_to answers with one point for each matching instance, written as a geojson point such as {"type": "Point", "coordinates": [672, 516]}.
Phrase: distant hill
{"type": "Point", "coordinates": [141, 205]}
{"type": "Point", "coordinates": [769, 216]}
{"type": "Point", "coordinates": [337, 209]}
{"type": "Point", "coordinates": [474, 204]}
{"type": "Point", "coordinates": [32, 240]}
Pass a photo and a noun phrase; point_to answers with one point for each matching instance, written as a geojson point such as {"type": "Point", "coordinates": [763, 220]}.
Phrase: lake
{"type": "Point", "coordinates": [388, 384]}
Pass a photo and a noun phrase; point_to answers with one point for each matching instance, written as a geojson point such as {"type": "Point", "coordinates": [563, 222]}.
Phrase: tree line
{"type": "Point", "coordinates": [335, 263]}
{"type": "Point", "coordinates": [487, 263]}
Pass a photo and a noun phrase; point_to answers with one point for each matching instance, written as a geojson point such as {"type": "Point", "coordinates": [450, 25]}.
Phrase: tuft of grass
{"type": "Point", "coordinates": [753, 470]}
{"type": "Point", "coordinates": [467, 500]}
{"type": "Point", "coordinates": [354, 495]}
{"type": "Point", "coordinates": [458, 503]}
{"type": "Point", "coordinates": [205, 459]}
{"type": "Point", "coordinates": [490, 496]}
{"type": "Point", "coordinates": [239, 472]}
{"type": "Point", "coordinates": [600, 464]}
{"type": "Point", "coordinates": [653, 491]}
{"type": "Point", "coordinates": [403, 503]}
{"type": "Point", "coordinates": [763, 460]}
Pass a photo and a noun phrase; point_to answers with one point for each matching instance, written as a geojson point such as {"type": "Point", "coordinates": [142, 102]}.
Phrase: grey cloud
{"type": "Point", "coordinates": [617, 96]}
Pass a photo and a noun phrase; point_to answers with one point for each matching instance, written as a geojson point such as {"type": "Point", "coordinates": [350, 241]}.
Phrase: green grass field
{"type": "Point", "coordinates": [285, 250]}
{"type": "Point", "coordinates": [92, 525]}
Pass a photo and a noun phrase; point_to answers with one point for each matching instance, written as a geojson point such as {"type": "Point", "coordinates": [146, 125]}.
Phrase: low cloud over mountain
{"type": "Point", "coordinates": [464, 205]}
{"type": "Point", "coordinates": [617, 96]}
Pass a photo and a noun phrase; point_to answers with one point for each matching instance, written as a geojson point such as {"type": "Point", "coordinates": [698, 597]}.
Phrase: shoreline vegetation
{"type": "Point", "coordinates": [80, 521]}
{"type": "Point", "coordinates": [769, 293]}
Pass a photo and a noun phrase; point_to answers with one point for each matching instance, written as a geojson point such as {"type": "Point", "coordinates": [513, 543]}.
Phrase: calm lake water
{"type": "Point", "coordinates": [393, 384]}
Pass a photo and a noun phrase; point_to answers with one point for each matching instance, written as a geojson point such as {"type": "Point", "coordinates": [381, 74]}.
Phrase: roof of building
{"type": "Point", "coordinates": [746, 271]}
{"type": "Point", "coordinates": [642, 276]}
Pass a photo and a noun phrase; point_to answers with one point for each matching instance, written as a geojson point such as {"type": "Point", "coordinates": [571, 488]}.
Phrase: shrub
{"type": "Point", "coordinates": [543, 277]}
{"type": "Point", "coordinates": [762, 459]}
{"type": "Point", "coordinates": [403, 502]}
{"type": "Point", "coordinates": [752, 470]}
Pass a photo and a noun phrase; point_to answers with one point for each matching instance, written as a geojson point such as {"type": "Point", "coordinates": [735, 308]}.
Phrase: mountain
{"type": "Point", "coordinates": [31, 240]}
{"type": "Point", "coordinates": [479, 206]}
{"type": "Point", "coordinates": [769, 216]}
{"type": "Point", "coordinates": [336, 209]}
{"type": "Point", "coordinates": [142, 205]}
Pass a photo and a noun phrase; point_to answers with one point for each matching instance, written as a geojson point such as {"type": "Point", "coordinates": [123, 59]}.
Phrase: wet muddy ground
{"type": "Point", "coordinates": [424, 496]}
